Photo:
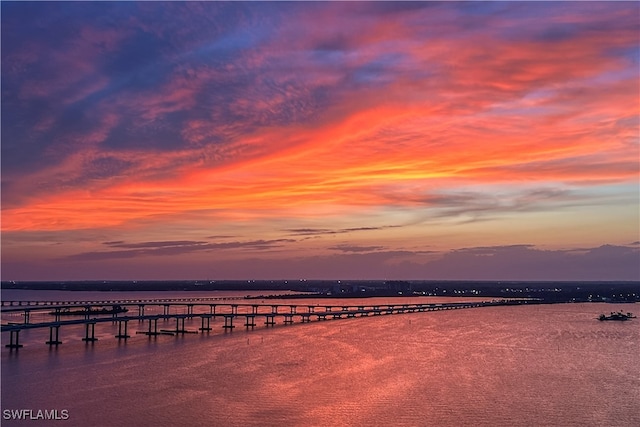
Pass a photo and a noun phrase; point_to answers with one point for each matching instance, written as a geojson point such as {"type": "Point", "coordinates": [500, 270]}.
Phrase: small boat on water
{"type": "Point", "coordinates": [620, 316]}
{"type": "Point", "coordinates": [89, 311]}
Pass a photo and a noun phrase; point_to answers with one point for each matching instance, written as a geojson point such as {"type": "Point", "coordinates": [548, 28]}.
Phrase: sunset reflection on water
{"type": "Point", "coordinates": [525, 365]}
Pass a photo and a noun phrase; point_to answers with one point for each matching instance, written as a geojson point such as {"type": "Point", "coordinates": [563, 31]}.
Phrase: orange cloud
{"type": "Point", "coordinates": [339, 118]}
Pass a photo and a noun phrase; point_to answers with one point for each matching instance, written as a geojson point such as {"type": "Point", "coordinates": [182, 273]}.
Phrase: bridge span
{"type": "Point", "coordinates": [21, 303]}
{"type": "Point", "coordinates": [91, 313]}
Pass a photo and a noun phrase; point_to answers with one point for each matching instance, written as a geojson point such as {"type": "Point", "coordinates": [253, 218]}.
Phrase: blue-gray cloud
{"type": "Point", "coordinates": [323, 231]}
{"type": "Point", "coordinates": [173, 248]}
{"type": "Point", "coordinates": [356, 248]}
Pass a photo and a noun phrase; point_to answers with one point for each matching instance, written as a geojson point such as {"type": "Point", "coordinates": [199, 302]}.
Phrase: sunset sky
{"type": "Point", "coordinates": [320, 140]}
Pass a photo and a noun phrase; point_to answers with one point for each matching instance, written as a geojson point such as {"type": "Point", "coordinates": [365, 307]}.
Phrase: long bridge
{"type": "Point", "coordinates": [90, 313]}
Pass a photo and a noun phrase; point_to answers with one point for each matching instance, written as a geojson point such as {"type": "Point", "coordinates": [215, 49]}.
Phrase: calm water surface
{"type": "Point", "coordinates": [551, 365]}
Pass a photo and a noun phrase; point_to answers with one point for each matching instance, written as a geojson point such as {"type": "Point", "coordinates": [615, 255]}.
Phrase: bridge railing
{"type": "Point", "coordinates": [19, 303]}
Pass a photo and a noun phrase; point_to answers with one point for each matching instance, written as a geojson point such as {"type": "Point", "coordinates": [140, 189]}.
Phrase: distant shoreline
{"type": "Point", "coordinates": [600, 291]}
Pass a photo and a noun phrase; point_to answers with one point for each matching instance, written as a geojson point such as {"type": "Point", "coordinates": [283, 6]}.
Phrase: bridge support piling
{"type": "Point", "coordinates": [165, 310]}
{"type": "Point", "coordinates": [180, 324]}
{"type": "Point", "coordinates": [91, 338]}
{"type": "Point", "coordinates": [122, 334]}
{"type": "Point", "coordinates": [228, 322]}
{"type": "Point", "coordinates": [270, 320]}
{"type": "Point", "coordinates": [26, 316]}
{"type": "Point", "coordinates": [208, 319]}
{"type": "Point", "coordinates": [14, 343]}
{"type": "Point", "coordinates": [155, 327]}
{"type": "Point", "coordinates": [288, 319]}
{"type": "Point", "coordinates": [52, 341]}
{"type": "Point", "coordinates": [251, 321]}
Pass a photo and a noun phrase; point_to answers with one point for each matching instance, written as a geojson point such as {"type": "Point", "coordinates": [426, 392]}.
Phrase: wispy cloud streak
{"type": "Point", "coordinates": [173, 248]}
